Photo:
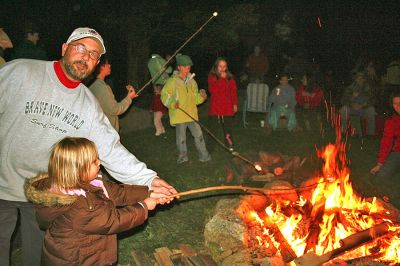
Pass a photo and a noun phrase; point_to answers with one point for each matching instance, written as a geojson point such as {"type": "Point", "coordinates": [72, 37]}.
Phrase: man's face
{"type": "Point", "coordinates": [184, 70]}
{"type": "Point", "coordinates": [78, 63]}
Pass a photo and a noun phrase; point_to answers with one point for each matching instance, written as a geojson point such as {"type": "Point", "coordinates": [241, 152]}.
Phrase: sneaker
{"type": "Point", "coordinates": [206, 159]}
{"type": "Point", "coordinates": [182, 160]}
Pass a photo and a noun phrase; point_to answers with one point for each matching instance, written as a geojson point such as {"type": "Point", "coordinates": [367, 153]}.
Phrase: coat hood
{"type": "Point", "coordinates": [37, 190]}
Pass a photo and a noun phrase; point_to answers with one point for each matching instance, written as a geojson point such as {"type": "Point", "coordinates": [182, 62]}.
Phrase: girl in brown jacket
{"type": "Point", "coordinates": [82, 214]}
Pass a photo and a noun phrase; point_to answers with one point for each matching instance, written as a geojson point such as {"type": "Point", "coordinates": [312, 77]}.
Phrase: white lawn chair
{"type": "Point", "coordinates": [256, 100]}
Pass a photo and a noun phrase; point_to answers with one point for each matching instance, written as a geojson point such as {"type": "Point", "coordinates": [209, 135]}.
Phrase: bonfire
{"type": "Point", "coordinates": [328, 220]}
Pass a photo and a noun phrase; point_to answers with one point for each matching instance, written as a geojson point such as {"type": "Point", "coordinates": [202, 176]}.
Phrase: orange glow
{"type": "Point", "coordinates": [333, 211]}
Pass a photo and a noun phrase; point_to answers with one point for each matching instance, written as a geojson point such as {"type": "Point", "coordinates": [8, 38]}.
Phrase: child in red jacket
{"type": "Point", "coordinates": [309, 97]}
{"type": "Point", "coordinates": [224, 100]}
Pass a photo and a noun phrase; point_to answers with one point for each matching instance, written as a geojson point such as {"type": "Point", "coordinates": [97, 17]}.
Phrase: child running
{"type": "Point", "coordinates": [81, 213]}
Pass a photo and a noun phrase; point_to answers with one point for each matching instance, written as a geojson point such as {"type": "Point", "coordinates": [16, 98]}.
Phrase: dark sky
{"type": "Point", "coordinates": [349, 29]}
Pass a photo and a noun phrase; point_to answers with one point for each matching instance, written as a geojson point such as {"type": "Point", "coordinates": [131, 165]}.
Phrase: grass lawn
{"type": "Point", "coordinates": [183, 221]}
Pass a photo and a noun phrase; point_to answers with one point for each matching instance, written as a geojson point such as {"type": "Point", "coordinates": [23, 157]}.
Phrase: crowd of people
{"type": "Point", "coordinates": [53, 173]}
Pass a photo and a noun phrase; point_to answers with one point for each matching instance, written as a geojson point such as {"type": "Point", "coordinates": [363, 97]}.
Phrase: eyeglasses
{"type": "Point", "coordinates": [81, 49]}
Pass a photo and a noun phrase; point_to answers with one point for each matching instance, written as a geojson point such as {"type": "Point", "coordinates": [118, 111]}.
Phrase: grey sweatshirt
{"type": "Point", "coordinates": [36, 111]}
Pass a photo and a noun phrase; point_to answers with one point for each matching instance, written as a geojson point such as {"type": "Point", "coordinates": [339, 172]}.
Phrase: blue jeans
{"type": "Point", "coordinates": [355, 115]}
{"type": "Point", "coordinates": [197, 134]}
{"type": "Point", "coordinates": [32, 236]}
{"type": "Point", "coordinates": [277, 111]}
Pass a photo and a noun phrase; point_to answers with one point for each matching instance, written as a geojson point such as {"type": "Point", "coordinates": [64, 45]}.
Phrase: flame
{"type": "Point", "coordinates": [333, 212]}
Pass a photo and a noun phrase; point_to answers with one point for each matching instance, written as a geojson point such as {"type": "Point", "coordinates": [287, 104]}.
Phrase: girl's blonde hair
{"type": "Point", "coordinates": [70, 161]}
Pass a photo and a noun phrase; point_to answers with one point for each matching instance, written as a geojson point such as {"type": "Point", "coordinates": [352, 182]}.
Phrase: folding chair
{"type": "Point", "coordinates": [256, 100]}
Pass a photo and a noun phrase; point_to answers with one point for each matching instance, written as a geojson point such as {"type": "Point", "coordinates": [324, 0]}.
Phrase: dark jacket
{"type": "Point", "coordinates": [81, 230]}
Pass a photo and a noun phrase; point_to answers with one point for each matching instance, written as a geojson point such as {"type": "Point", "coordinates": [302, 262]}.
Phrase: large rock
{"type": "Point", "coordinates": [226, 229]}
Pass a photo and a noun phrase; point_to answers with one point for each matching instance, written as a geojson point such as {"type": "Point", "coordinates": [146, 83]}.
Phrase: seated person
{"type": "Point", "coordinates": [309, 96]}
{"type": "Point", "coordinates": [281, 102]}
{"type": "Point", "coordinates": [357, 103]}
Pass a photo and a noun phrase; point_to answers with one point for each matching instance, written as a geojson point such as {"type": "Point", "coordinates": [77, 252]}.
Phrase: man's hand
{"type": "Point", "coordinates": [162, 191]}
{"type": "Point", "coordinates": [203, 94]}
{"type": "Point", "coordinates": [131, 91]}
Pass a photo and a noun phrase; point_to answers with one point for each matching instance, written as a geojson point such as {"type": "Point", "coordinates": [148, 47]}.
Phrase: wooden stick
{"type": "Point", "coordinates": [263, 190]}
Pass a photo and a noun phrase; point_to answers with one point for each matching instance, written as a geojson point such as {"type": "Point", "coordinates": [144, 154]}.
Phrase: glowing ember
{"type": "Point", "coordinates": [320, 220]}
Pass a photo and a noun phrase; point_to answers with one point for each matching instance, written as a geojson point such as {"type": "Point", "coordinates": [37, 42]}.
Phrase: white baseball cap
{"type": "Point", "coordinates": [81, 33]}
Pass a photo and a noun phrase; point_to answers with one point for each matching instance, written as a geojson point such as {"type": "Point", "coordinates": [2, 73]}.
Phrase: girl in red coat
{"type": "Point", "coordinates": [223, 102]}
{"type": "Point", "coordinates": [309, 97]}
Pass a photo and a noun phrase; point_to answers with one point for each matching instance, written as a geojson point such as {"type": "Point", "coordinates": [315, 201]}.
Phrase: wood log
{"type": "Point", "coordinates": [208, 260]}
{"type": "Point", "coordinates": [346, 244]}
{"type": "Point", "coordinates": [162, 256]}
{"type": "Point", "coordinates": [140, 258]}
{"type": "Point", "coordinates": [285, 249]}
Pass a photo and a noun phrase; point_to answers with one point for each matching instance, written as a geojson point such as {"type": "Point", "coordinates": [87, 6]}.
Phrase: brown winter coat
{"type": "Point", "coordinates": [82, 230]}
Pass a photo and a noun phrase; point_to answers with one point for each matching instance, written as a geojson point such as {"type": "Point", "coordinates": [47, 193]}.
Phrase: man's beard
{"type": "Point", "coordinates": [75, 73]}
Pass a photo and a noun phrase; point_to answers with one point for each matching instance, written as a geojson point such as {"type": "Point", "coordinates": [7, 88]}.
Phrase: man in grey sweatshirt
{"type": "Point", "coordinates": [41, 103]}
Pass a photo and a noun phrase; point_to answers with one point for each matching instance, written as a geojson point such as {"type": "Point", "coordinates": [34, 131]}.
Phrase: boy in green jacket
{"type": "Point", "coordinates": [181, 96]}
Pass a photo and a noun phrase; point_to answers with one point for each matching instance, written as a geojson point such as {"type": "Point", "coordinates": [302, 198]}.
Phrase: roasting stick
{"type": "Point", "coordinates": [265, 191]}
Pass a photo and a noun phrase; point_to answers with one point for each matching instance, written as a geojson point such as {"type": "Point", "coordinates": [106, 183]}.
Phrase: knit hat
{"type": "Point", "coordinates": [81, 33]}
{"type": "Point", "coordinates": [183, 60]}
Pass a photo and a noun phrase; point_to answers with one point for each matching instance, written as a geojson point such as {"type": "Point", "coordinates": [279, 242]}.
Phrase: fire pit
{"type": "Point", "coordinates": [323, 220]}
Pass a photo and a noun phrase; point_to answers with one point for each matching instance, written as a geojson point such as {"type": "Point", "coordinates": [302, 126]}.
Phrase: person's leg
{"type": "Point", "coordinates": [382, 179]}
{"type": "Point", "coordinates": [197, 134]}
{"type": "Point", "coordinates": [8, 220]}
{"type": "Point", "coordinates": [370, 114]}
{"type": "Point", "coordinates": [181, 142]}
{"type": "Point", "coordinates": [344, 116]}
{"type": "Point", "coordinates": [273, 118]}
{"type": "Point", "coordinates": [158, 124]}
{"type": "Point", "coordinates": [292, 122]}
{"type": "Point", "coordinates": [32, 236]}
{"type": "Point", "coordinates": [227, 129]}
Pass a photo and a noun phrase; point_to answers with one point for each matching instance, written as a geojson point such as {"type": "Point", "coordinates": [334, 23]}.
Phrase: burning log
{"type": "Point", "coordinates": [285, 249]}
{"type": "Point", "coordinates": [346, 244]}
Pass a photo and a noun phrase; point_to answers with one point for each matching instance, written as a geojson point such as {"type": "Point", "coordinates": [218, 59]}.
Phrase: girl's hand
{"type": "Point", "coordinates": [235, 108]}
{"type": "Point", "coordinates": [151, 203]}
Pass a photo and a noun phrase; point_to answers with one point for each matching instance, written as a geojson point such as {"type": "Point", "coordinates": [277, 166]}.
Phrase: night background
{"type": "Point", "coordinates": [334, 34]}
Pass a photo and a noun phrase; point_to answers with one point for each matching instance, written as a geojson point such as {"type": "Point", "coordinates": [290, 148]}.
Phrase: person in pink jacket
{"type": "Point", "coordinates": [224, 100]}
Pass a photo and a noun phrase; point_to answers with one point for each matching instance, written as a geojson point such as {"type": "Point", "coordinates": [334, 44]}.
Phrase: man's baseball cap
{"type": "Point", "coordinates": [81, 33]}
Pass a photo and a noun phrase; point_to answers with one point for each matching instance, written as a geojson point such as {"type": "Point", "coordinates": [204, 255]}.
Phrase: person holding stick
{"type": "Point", "coordinates": [40, 104]}
{"type": "Point", "coordinates": [104, 94]}
{"type": "Point", "coordinates": [181, 96]}
{"type": "Point", "coordinates": [80, 212]}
